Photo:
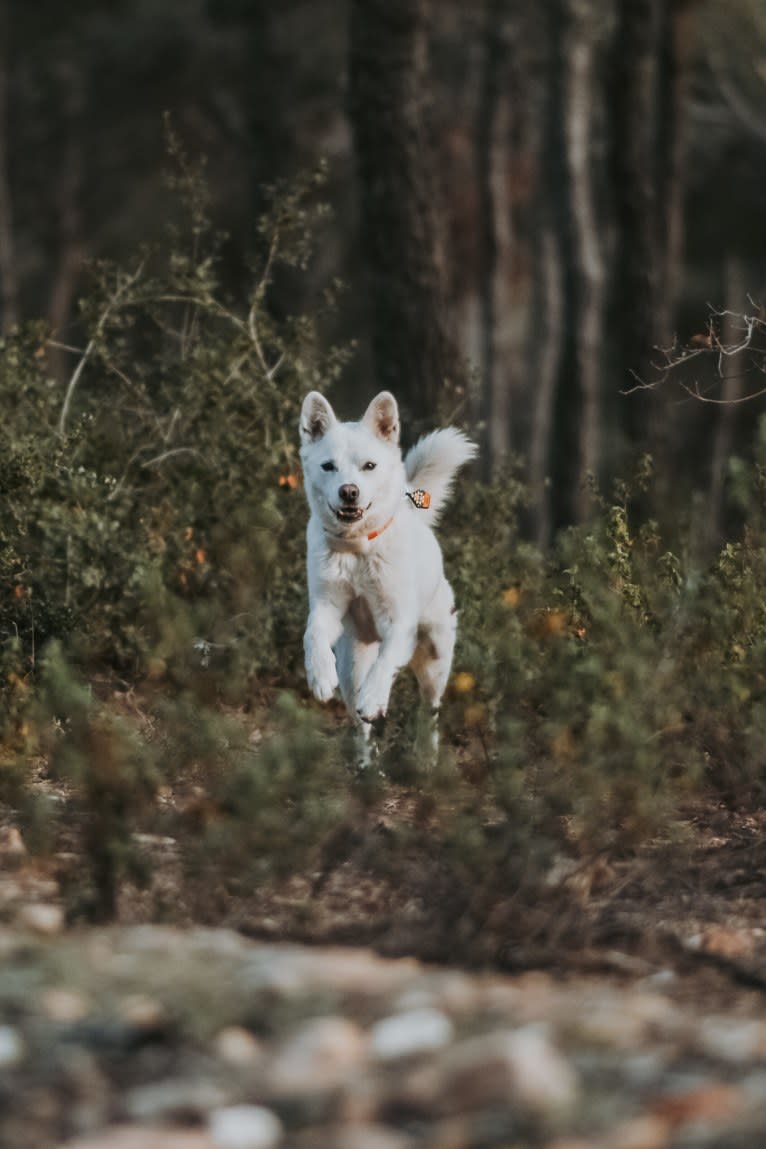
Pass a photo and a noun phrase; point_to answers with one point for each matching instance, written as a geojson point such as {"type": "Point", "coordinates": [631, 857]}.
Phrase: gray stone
{"type": "Point", "coordinates": [245, 1127]}
{"type": "Point", "coordinates": [318, 1057]}
{"type": "Point", "coordinates": [175, 1098]}
{"type": "Point", "coordinates": [519, 1066]}
{"type": "Point", "coordinates": [418, 1031]}
{"type": "Point", "coordinates": [12, 1047]}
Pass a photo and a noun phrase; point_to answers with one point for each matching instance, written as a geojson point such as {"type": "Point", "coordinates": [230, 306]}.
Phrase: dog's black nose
{"type": "Point", "coordinates": [349, 493]}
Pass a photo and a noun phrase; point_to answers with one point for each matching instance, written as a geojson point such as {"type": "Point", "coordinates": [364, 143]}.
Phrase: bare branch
{"type": "Point", "coordinates": [111, 305]}
{"type": "Point", "coordinates": [749, 350]}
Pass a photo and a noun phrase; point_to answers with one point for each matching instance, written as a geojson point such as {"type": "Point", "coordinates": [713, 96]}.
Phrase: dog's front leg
{"type": "Point", "coordinates": [324, 628]}
{"type": "Point", "coordinates": [395, 651]}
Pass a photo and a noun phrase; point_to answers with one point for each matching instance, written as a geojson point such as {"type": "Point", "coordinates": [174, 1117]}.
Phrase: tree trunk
{"type": "Point", "coordinates": [633, 141]}
{"type": "Point", "coordinates": [9, 287]}
{"type": "Point", "coordinates": [493, 139]}
{"type": "Point", "coordinates": [413, 352]}
{"type": "Point", "coordinates": [71, 245]}
{"type": "Point", "coordinates": [580, 104]}
{"type": "Point", "coordinates": [735, 294]}
{"type": "Point", "coordinates": [651, 58]}
{"type": "Point", "coordinates": [546, 368]}
{"type": "Point", "coordinates": [677, 44]}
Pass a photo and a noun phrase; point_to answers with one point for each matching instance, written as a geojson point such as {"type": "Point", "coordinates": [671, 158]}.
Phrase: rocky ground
{"type": "Point", "coordinates": [642, 1028]}
{"type": "Point", "coordinates": [152, 1037]}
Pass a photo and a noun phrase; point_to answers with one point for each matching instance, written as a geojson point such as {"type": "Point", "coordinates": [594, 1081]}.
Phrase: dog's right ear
{"type": "Point", "coordinates": [317, 416]}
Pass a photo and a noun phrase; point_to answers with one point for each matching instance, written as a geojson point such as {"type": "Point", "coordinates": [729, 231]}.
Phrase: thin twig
{"type": "Point", "coordinates": [92, 343]}
{"type": "Point", "coordinates": [168, 454]}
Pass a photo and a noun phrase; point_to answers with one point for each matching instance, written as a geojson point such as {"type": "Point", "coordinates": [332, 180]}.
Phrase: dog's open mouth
{"type": "Point", "coordinates": [349, 514]}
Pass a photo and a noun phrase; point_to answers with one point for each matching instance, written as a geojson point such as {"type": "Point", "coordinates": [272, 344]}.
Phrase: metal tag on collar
{"type": "Point", "coordinates": [420, 499]}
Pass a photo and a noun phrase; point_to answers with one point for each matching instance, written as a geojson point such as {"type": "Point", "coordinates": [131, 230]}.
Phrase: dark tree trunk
{"type": "Point", "coordinates": [571, 176]}
{"type": "Point", "coordinates": [651, 58]}
{"type": "Point", "coordinates": [735, 273]}
{"type": "Point", "coordinates": [413, 351]}
{"type": "Point", "coordinates": [676, 52]}
{"type": "Point", "coordinates": [555, 455]}
{"type": "Point", "coordinates": [493, 162]}
{"type": "Point", "coordinates": [633, 138]}
{"type": "Point", "coordinates": [546, 366]}
{"type": "Point", "coordinates": [71, 244]}
{"type": "Point", "coordinates": [9, 287]}
{"type": "Point", "coordinates": [581, 111]}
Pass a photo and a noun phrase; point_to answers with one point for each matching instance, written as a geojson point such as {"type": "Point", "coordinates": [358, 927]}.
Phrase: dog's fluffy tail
{"type": "Point", "coordinates": [432, 464]}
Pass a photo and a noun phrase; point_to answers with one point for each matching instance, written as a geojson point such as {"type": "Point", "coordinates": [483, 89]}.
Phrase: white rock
{"type": "Point", "coordinates": [12, 1047]}
{"type": "Point", "coordinates": [44, 918]}
{"type": "Point", "coordinates": [245, 1127]}
{"type": "Point", "coordinates": [236, 1045]}
{"type": "Point", "coordinates": [543, 1079]}
{"type": "Point", "coordinates": [733, 1040]}
{"type": "Point", "coordinates": [407, 1034]}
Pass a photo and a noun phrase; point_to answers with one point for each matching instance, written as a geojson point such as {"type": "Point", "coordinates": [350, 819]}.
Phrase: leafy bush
{"type": "Point", "coordinates": [153, 535]}
{"type": "Point", "coordinates": [152, 506]}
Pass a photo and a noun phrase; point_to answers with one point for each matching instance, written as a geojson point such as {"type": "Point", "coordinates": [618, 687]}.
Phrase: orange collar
{"type": "Point", "coordinates": [376, 534]}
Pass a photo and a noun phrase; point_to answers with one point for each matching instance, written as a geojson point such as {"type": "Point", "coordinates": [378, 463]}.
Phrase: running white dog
{"type": "Point", "coordinates": [378, 598]}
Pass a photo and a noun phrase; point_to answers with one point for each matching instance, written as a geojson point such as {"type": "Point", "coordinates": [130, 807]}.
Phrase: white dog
{"type": "Point", "coordinates": [378, 598]}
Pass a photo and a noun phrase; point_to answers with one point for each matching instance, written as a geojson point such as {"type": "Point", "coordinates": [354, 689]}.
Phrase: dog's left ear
{"type": "Point", "coordinates": [382, 417]}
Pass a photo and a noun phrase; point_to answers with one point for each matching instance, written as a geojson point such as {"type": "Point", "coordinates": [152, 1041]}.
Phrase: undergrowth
{"type": "Point", "coordinates": [152, 602]}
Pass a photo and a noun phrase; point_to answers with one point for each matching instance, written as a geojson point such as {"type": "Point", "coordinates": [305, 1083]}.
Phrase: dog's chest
{"type": "Point", "coordinates": [364, 583]}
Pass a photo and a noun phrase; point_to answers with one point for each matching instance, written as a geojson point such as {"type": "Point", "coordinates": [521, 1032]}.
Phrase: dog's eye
{"type": "Point", "coordinates": [369, 466]}
{"type": "Point", "coordinates": [329, 466]}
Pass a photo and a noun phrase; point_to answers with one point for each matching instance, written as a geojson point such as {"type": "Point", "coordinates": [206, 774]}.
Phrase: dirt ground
{"type": "Point", "coordinates": [686, 924]}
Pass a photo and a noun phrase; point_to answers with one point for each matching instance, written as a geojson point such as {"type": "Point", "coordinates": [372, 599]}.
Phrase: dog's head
{"type": "Point", "coordinates": [353, 472]}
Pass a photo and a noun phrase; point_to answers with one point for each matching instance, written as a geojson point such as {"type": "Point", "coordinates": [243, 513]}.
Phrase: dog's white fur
{"type": "Point", "coordinates": [376, 604]}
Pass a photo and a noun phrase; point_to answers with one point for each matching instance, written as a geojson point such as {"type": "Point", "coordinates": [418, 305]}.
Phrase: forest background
{"type": "Point", "coordinates": [527, 200]}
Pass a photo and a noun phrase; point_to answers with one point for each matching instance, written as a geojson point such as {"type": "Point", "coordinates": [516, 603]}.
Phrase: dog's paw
{"type": "Point", "coordinates": [322, 675]}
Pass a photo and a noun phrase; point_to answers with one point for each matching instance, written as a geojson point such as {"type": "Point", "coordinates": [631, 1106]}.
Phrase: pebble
{"type": "Point", "coordinates": [644, 1132]}
{"type": "Point", "coordinates": [733, 1040]}
{"type": "Point", "coordinates": [12, 1047]}
{"type": "Point", "coordinates": [522, 1064]}
{"type": "Point", "coordinates": [358, 1137]}
{"type": "Point", "coordinates": [236, 1045]}
{"type": "Point", "coordinates": [142, 1137]}
{"type": "Point", "coordinates": [64, 1006]}
{"type": "Point", "coordinates": [245, 1127]}
{"type": "Point", "coordinates": [173, 1098]}
{"type": "Point", "coordinates": [418, 1031]}
{"type": "Point", "coordinates": [45, 918]}
{"type": "Point", "coordinates": [142, 1012]}
{"type": "Point", "coordinates": [318, 1057]}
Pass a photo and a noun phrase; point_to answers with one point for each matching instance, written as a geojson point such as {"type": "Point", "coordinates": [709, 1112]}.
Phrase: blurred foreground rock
{"type": "Point", "coordinates": [159, 1038]}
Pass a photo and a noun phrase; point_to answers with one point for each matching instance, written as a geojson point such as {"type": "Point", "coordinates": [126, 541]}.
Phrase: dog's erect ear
{"type": "Point", "coordinates": [317, 416]}
{"type": "Point", "coordinates": [382, 417]}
